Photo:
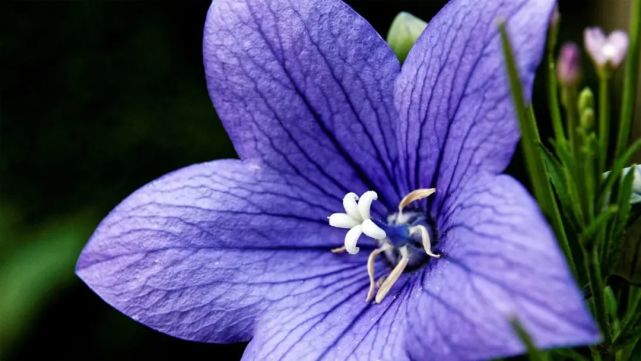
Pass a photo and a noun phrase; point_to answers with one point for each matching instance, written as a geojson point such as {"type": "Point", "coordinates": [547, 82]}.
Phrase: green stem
{"type": "Point", "coordinates": [569, 99]}
{"type": "Point", "coordinates": [593, 270]}
{"type": "Point", "coordinates": [604, 121]}
{"type": "Point", "coordinates": [553, 98]}
{"type": "Point", "coordinates": [534, 354]}
{"type": "Point", "coordinates": [592, 177]}
{"type": "Point", "coordinates": [533, 157]}
{"type": "Point", "coordinates": [582, 160]}
{"type": "Point", "coordinates": [630, 79]}
{"type": "Point", "coordinates": [634, 303]}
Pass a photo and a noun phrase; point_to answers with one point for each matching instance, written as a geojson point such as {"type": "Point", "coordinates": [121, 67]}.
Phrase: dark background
{"type": "Point", "coordinates": [96, 99]}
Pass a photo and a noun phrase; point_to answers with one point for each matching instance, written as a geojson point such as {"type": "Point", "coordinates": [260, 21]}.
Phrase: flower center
{"type": "Point", "coordinates": [405, 238]}
{"type": "Point", "coordinates": [399, 232]}
{"type": "Point", "coordinates": [609, 50]}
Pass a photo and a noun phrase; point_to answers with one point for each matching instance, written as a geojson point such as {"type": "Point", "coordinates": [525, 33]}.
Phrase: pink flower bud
{"type": "Point", "coordinates": [569, 65]}
{"type": "Point", "coordinates": [607, 53]}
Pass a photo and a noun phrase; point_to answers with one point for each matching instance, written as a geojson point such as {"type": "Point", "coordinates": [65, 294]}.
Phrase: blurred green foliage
{"type": "Point", "coordinates": [37, 264]}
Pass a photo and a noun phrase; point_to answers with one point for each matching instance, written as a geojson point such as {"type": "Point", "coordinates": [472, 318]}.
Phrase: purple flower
{"type": "Point", "coordinates": [607, 52]}
{"type": "Point", "coordinates": [318, 107]}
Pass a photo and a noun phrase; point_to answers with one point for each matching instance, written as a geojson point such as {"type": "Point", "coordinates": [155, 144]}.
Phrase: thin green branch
{"type": "Point", "coordinates": [534, 354]}
{"type": "Point", "coordinates": [604, 121]}
{"type": "Point", "coordinates": [569, 101]}
{"type": "Point", "coordinates": [553, 91]}
{"type": "Point", "coordinates": [595, 277]}
{"type": "Point", "coordinates": [631, 79]}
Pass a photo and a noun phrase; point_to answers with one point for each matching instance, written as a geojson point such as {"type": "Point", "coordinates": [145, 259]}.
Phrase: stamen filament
{"type": "Point", "coordinates": [425, 237]}
{"type": "Point", "coordinates": [394, 275]}
{"type": "Point", "coordinates": [370, 270]}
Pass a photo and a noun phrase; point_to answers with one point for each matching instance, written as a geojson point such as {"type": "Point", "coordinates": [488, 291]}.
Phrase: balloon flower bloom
{"type": "Point", "coordinates": [366, 217]}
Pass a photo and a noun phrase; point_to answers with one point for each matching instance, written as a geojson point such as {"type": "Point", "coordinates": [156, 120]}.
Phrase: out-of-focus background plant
{"type": "Point", "coordinates": [98, 98]}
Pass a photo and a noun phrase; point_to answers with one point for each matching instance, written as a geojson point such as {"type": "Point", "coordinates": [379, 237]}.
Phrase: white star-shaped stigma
{"type": "Point", "coordinates": [357, 219]}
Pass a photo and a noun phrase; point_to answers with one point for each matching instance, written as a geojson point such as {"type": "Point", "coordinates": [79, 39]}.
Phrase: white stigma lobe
{"type": "Point", "coordinates": [357, 218]}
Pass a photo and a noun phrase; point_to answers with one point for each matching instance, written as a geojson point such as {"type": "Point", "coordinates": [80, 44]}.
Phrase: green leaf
{"type": "Point", "coordinates": [597, 225]}
{"type": "Point", "coordinates": [557, 176]}
{"type": "Point", "coordinates": [635, 355]}
{"type": "Point", "coordinates": [571, 176]}
{"type": "Point", "coordinates": [612, 307]}
{"type": "Point", "coordinates": [630, 332]}
{"type": "Point", "coordinates": [632, 315]}
{"type": "Point", "coordinates": [403, 33]}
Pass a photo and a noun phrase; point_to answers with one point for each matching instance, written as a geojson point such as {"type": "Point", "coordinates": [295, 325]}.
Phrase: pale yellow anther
{"type": "Point", "coordinates": [394, 275]}
{"type": "Point", "coordinates": [413, 197]}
